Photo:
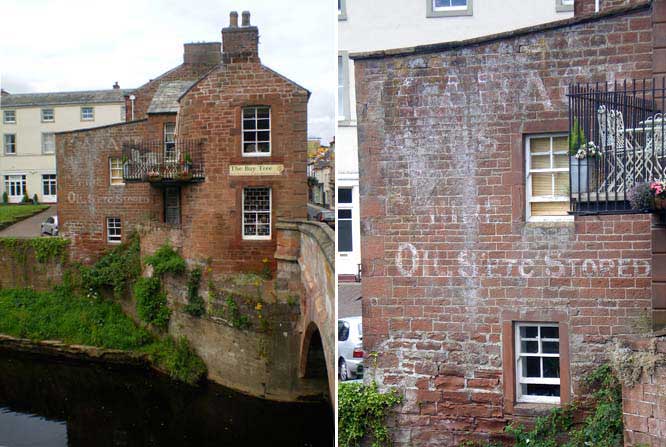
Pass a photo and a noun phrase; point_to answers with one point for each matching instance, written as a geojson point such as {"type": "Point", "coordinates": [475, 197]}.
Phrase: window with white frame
{"type": "Point", "coordinates": [9, 116]}
{"type": "Point", "coordinates": [342, 9]}
{"type": "Point", "coordinates": [15, 187]}
{"type": "Point", "coordinates": [547, 182]}
{"type": "Point", "coordinates": [48, 115]}
{"type": "Point", "coordinates": [448, 8]}
{"type": "Point", "coordinates": [564, 5]}
{"type": "Point", "coordinates": [344, 221]}
{"type": "Point", "coordinates": [87, 113]}
{"type": "Point", "coordinates": [114, 233]}
{"type": "Point", "coordinates": [537, 362]}
{"type": "Point", "coordinates": [344, 112]}
{"type": "Point", "coordinates": [49, 185]}
{"type": "Point", "coordinates": [256, 131]}
{"type": "Point", "coordinates": [170, 142]}
{"type": "Point", "coordinates": [9, 143]}
{"type": "Point", "coordinates": [116, 171]}
{"type": "Point", "coordinates": [48, 143]}
{"type": "Point", "coordinates": [256, 213]}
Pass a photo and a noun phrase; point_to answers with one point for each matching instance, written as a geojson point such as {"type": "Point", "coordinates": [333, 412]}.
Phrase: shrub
{"type": "Point", "coordinates": [5, 198]}
{"type": "Point", "coordinates": [117, 269]}
{"type": "Point", "coordinates": [195, 306]}
{"type": "Point", "coordinates": [166, 260]}
{"type": "Point", "coordinates": [35, 200]}
{"type": "Point", "coordinates": [151, 302]}
{"type": "Point", "coordinates": [640, 196]}
{"type": "Point", "coordinates": [362, 411]}
{"type": "Point", "coordinates": [178, 359]}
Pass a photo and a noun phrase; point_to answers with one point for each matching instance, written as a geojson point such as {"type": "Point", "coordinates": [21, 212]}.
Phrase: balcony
{"type": "Point", "coordinates": [615, 143]}
{"type": "Point", "coordinates": [163, 163]}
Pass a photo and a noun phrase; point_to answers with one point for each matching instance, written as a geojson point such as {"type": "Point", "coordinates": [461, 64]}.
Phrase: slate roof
{"type": "Point", "coordinates": [166, 97]}
{"type": "Point", "coordinates": [64, 98]}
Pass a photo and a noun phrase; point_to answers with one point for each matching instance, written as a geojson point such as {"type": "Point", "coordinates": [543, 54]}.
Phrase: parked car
{"type": "Point", "coordinates": [50, 226]}
{"type": "Point", "coordinates": [350, 347]}
{"type": "Point", "coordinates": [327, 216]}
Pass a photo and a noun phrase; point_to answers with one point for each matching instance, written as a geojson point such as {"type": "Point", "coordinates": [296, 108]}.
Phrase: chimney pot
{"type": "Point", "coordinates": [233, 19]}
{"type": "Point", "coordinates": [246, 18]}
{"type": "Point", "coordinates": [116, 86]}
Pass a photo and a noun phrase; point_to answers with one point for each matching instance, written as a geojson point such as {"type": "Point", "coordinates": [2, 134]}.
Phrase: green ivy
{"type": "Point", "coordinates": [362, 411]}
{"type": "Point", "coordinates": [45, 249]}
{"type": "Point", "coordinates": [166, 260]}
{"type": "Point", "coordinates": [151, 302]}
{"type": "Point", "coordinates": [238, 320]}
{"type": "Point", "coordinates": [116, 269]}
{"type": "Point", "coordinates": [195, 306]}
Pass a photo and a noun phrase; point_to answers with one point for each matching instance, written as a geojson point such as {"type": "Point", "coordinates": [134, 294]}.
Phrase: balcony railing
{"type": "Point", "coordinates": [163, 162]}
{"type": "Point", "coordinates": [616, 141]}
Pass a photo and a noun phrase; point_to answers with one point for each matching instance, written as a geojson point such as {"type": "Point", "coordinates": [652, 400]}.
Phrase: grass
{"type": "Point", "coordinates": [10, 214]}
{"type": "Point", "coordinates": [61, 315]}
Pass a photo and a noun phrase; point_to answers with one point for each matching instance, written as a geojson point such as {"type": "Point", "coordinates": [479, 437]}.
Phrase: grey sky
{"type": "Point", "coordinates": [59, 45]}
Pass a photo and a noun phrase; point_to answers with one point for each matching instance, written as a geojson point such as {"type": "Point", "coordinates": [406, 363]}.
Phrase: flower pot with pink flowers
{"type": "Point", "coordinates": [658, 189]}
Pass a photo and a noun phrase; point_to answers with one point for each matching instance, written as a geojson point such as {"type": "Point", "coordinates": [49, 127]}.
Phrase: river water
{"type": "Point", "coordinates": [44, 403]}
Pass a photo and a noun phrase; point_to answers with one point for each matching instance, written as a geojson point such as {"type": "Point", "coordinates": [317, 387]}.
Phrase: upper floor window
{"type": "Point", "coordinates": [256, 213]}
{"type": "Point", "coordinates": [342, 9]}
{"type": "Point", "coordinates": [564, 5]}
{"type": "Point", "coordinates": [9, 116]}
{"type": "Point", "coordinates": [547, 179]}
{"type": "Point", "coordinates": [537, 363]}
{"type": "Point", "coordinates": [170, 142]}
{"type": "Point", "coordinates": [116, 171]}
{"type": "Point", "coordinates": [87, 113]}
{"type": "Point", "coordinates": [256, 131]}
{"type": "Point", "coordinates": [48, 143]}
{"type": "Point", "coordinates": [344, 112]}
{"type": "Point", "coordinates": [48, 115]}
{"type": "Point", "coordinates": [448, 8]}
{"type": "Point", "coordinates": [9, 140]}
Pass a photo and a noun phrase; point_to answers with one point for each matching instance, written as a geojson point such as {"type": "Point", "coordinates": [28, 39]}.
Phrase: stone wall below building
{"type": "Point", "coordinates": [20, 267]}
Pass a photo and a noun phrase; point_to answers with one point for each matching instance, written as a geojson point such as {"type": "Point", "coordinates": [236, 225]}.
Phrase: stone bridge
{"type": "Point", "coordinates": [306, 265]}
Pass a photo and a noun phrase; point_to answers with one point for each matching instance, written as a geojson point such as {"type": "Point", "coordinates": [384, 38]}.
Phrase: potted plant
{"type": "Point", "coordinates": [188, 162]}
{"type": "Point", "coordinates": [584, 155]}
{"type": "Point", "coordinates": [641, 197]}
{"type": "Point", "coordinates": [658, 189]}
{"type": "Point", "coordinates": [154, 176]}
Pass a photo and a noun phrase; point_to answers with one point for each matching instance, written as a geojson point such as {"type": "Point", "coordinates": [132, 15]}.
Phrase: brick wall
{"type": "Point", "coordinates": [582, 7]}
{"type": "Point", "coordinates": [644, 405]}
{"type": "Point", "coordinates": [19, 268]}
{"type": "Point", "coordinates": [449, 262]}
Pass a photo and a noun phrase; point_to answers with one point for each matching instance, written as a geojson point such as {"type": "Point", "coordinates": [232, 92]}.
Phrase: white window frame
{"type": "Point", "coordinates": [5, 144]}
{"type": "Point", "coordinates": [170, 152]}
{"type": "Point", "coordinates": [449, 11]}
{"type": "Point", "coordinates": [119, 166]}
{"type": "Point", "coordinates": [113, 224]}
{"type": "Point", "coordinates": [5, 113]}
{"type": "Point", "coordinates": [12, 178]}
{"type": "Point", "coordinates": [564, 5]}
{"type": "Point", "coordinates": [520, 380]}
{"type": "Point", "coordinates": [341, 206]}
{"type": "Point", "coordinates": [51, 182]}
{"type": "Point", "coordinates": [270, 132]}
{"type": "Point", "coordinates": [344, 109]}
{"type": "Point", "coordinates": [48, 120]}
{"type": "Point", "coordinates": [342, 9]}
{"type": "Point", "coordinates": [270, 215]}
{"type": "Point", "coordinates": [92, 118]}
{"type": "Point", "coordinates": [529, 199]}
{"type": "Point", "coordinates": [44, 148]}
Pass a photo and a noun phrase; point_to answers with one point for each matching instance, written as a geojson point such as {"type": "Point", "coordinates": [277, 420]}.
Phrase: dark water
{"type": "Point", "coordinates": [52, 404]}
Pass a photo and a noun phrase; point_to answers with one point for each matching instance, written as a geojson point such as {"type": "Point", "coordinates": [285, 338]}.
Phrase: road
{"type": "Point", "coordinates": [31, 226]}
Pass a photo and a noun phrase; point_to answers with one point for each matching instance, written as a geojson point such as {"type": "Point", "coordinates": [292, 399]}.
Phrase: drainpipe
{"type": "Point", "coordinates": [132, 98]}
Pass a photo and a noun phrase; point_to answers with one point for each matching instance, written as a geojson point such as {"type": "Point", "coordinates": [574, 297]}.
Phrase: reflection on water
{"type": "Point", "coordinates": [49, 404]}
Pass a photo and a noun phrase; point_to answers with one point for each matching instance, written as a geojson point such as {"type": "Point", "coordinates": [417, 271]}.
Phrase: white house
{"type": "Point", "coordinates": [366, 26]}
{"type": "Point", "coordinates": [28, 125]}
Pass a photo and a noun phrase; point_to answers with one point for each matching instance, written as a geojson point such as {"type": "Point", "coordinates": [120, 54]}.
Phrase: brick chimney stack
{"type": "Point", "coordinates": [205, 53]}
{"type": "Point", "coordinates": [240, 44]}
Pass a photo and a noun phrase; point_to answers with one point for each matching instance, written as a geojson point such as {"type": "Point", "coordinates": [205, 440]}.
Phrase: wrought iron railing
{"type": "Point", "coordinates": [159, 161]}
{"type": "Point", "coordinates": [616, 141]}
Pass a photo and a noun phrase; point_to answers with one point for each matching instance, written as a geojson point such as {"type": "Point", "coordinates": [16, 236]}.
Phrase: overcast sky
{"type": "Point", "coordinates": [63, 45]}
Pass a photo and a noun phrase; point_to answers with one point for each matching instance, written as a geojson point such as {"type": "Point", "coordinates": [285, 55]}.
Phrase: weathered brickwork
{"type": "Point", "coordinates": [644, 405]}
{"type": "Point", "coordinates": [449, 262]}
{"type": "Point", "coordinates": [211, 110]}
{"type": "Point", "coordinates": [582, 7]}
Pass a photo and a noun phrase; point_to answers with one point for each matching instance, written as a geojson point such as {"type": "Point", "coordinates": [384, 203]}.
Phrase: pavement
{"type": "Point", "coordinates": [31, 226]}
{"type": "Point", "coordinates": [349, 299]}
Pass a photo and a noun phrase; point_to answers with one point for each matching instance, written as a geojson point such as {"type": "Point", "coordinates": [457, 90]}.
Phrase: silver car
{"type": "Point", "coordinates": [50, 226]}
{"type": "Point", "coordinates": [350, 348]}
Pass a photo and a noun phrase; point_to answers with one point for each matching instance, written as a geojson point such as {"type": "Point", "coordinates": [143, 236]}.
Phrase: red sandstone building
{"type": "Point", "coordinates": [214, 153]}
{"type": "Point", "coordinates": [497, 272]}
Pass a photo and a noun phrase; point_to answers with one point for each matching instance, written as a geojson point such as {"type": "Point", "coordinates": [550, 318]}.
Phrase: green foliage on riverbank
{"type": "Point", "coordinates": [116, 269]}
{"type": "Point", "coordinates": [45, 249]}
{"type": "Point", "coordinates": [72, 319]}
{"type": "Point", "coordinates": [10, 214]}
{"type": "Point", "coordinates": [151, 302]}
